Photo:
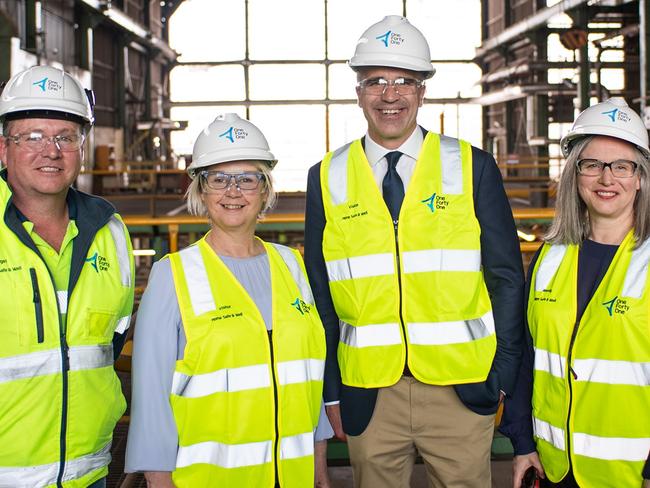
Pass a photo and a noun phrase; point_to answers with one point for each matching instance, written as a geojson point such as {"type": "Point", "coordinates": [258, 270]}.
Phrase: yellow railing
{"type": "Point", "coordinates": [173, 223]}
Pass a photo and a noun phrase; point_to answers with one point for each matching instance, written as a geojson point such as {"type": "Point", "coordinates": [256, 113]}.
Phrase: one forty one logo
{"type": "Point", "coordinates": [234, 133]}
{"type": "Point", "coordinates": [616, 114]}
{"type": "Point", "coordinates": [616, 305]}
{"type": "Point", "coordinates": [99, 263]}
{"type": "Point", "coordinates": [435, 202]}
{"type": "Point", "coordinates": [301, 306]}
{"type": "Point", "coordinates": [47, 83]}
{"type": "Point", "coordinates": [390, 37]}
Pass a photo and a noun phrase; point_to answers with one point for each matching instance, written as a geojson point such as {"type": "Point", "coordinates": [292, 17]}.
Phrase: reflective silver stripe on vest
{"type": "Point", "coordinates": [360, 267]}
{"type": "Point", "coordinates": [612, 372]}
{"type": "Point", "coordinates": [300, 371]}
{"type": "Point", "coordinates": [441, 260]}
{"type": "Point", "coordinates": [611, 448]}
{"type": "Point", "coordinates": [123, 324]}
{"type": "Point", "coordinates": [225, 455]}
{"type": "Point", "coordinates": [46, 474]}
{"type": "Point", "coordinates": [299, 277]}
{"type": "Point", "coordinates": [197, 281]}
{"type": "Point", "coordinates": [338, 175]}
{"type": "Point", "coordinates": [549, 266]}
{"type": "Point", "coordinates": [221, 381]}
{"type": "Point", "coordinates": [454, 332]}
{"type": "Point", "coordinates": [119, 236]}
{"type": "Point", "coordinates": [62, 299]}
{"type": "Point", "coordinates": [550, 362]}
{"type": "Point", "coordinates": [551, 434]}
{"type": "Point", "coordinates": [297, 446]}
{"type": "Point", "coordinates": [637, 272]}
{"type": "Point", "coordinates": [370, 335]}
{"type": "Point", "coordinates": [49, 362]}
{"type": "Point", "coordinates": [452, 167]}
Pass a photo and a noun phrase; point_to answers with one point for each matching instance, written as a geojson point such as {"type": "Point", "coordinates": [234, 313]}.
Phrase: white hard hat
{"type": "Point", "coordinates": [46, 92]}
{"type": "Point", "coordinates": [611, 118]}
{"type": "Point", "coordinates": [229, 138]}
{"type": "Point", "coordinates": [395, 43]}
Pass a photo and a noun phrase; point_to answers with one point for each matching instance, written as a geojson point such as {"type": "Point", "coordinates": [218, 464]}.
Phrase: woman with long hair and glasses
{"type": "Point", "coordinates": [580, 415]}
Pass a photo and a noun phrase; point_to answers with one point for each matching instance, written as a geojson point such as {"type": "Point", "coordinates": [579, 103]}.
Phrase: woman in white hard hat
{"type": "Point", "coordinates": [587, 367]}
{"type": "Point", "coordinates": [229, 349]}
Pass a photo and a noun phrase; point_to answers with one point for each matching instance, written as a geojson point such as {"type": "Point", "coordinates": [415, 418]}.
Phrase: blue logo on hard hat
{"type": "Point", "coordinates": [384, 38]}
{"type": "Point", "coordinates": [41, 83]}
{"type": "Point", "coordinates": [228, 135]}
{"type": "Point", "coordinates": [611, 114]}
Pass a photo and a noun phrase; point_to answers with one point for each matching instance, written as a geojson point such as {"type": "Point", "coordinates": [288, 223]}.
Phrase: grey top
{"type": "Point", "coordinates": [158, 343]}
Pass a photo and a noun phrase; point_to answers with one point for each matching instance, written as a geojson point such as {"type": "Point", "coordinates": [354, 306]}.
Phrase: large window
{"type": "Point", "coordinates": [282, 64]}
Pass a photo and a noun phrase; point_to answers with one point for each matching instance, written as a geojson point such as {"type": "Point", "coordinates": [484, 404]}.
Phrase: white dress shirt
{"type": "Point", "coordinates": [410, 150]}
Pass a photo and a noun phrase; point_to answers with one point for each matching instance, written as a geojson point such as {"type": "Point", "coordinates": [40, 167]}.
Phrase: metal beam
{"type": "Point", "coordinates": [143, 36]}
{"type": "Point", "coordinates": [538, 19]}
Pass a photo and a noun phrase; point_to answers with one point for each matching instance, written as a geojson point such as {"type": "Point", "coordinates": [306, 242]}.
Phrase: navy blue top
{"type": "Point", "coordinates": [593, 262]}
{"type": "Point", "coordinates": [503, 273]}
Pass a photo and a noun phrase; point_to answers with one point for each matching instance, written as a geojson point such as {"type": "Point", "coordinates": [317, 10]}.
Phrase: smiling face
{"type": "Point", "coordinates": [49, 172]}
{"type": "Point", "coordinates": [391, 117]}
{"type": "Point", "coordinates": [606, 196]}
{"type": "Point", "coordinates": [233, 209]}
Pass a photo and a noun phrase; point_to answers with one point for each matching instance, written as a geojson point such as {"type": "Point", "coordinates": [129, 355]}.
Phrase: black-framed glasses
{"type": "Point", "coordinates": [36, 141]}
{"type": "Point", "coordinates": [621, 168]}
{"type": "Point", "coordinates": [402, 85]}
{"type": "Point", "coordinates": [221, 181]}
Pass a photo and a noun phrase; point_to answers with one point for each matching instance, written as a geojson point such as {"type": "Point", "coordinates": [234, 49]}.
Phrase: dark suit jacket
{"type": "Point", "coordinates": [502, 268]}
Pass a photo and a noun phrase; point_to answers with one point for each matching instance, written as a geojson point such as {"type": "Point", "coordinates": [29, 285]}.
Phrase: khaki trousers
{"type": "Point", "coordinates": [411, 417]}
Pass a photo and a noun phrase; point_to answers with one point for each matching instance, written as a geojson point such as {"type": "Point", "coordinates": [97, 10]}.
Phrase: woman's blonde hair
{"type": "Point", "coordinates": [571, 222]}
{"type": "Point", "coordinates": [195, 205]}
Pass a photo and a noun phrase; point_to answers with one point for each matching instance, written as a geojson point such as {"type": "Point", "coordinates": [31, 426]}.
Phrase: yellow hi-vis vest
{"type": "Point", "coordinates": [418, 292]}
{"type": "Point", "coordinates": [591, 399]}
{"type": "Point", "coordinates": [246, 406]}
{"type": "Point", "coordinates": [59, 395]}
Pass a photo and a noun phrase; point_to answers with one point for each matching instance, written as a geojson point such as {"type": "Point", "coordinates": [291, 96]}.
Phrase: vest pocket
{"type": "Point", "coordinates": [100, 325]}
{"type": "Point", "coordinates": [38, 306]}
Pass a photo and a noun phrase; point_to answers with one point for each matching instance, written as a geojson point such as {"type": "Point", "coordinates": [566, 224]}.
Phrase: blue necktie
{"type": "Point", "coordinates": [392, 185]}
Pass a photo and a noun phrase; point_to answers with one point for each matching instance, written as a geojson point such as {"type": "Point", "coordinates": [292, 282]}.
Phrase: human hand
{"type": "Point", "coordinates": [159, 479]}
{"type": "Point", "coordinates": [646, 483]}
{"type": "Point", "coordinates": [521, 463]}
{"type": "Point", "coordinates": [334, 416]}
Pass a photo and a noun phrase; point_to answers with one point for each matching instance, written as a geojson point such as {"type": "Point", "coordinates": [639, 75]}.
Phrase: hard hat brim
{"type": "Point", "coordinates": [392, 61]}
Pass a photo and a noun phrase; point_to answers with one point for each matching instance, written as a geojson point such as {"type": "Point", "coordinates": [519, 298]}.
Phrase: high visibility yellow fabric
{"type": "Point", "coordinates": [435, 310]}
{"type": "Point", "coordinates": [32, 378]}
{"type": "Point", "coordinates": [245, 406]}
{"type": "Point", "coordinates": [591, 400]}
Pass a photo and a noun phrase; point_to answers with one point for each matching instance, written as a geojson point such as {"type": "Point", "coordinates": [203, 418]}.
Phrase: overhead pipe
{"type": "Point", "coordinates": [538, 19]}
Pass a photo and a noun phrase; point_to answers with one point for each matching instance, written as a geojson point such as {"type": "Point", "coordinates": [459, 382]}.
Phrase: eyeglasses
{"type": "Point", "coordinates": [36, 141]}
{"type": "Point", "coordinates": [403, 86]}
{"type": "Point", "coordinates": [621, 168]}
{"type": "Point", "coordinates": [220, 181]}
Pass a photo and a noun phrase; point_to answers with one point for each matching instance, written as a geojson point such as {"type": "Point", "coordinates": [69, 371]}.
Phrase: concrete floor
{"type": "Point", "coordinates": [341, 477]}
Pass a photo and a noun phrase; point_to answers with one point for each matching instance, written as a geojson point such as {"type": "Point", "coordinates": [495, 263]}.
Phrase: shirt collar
{"type": "Point", "coordinates": [411, 147]}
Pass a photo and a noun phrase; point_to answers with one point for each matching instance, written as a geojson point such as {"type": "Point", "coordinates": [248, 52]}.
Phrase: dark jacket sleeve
{"type": "Point", "coordinates": [317, 273]}
{"type": "Point", "coordinates": [504, 278]}
{"type": "Point", "coordinates": [517, 420]}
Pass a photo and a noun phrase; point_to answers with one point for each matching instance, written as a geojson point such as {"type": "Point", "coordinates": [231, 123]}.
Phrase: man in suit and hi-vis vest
{"type": "Point", "coordinates": [413, 257]}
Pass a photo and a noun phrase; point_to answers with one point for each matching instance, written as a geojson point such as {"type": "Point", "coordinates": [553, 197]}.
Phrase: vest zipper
{"type": "Point", "coordinates": [38, 306]}
{"type": "Point", "coordinates": [276, 483]}
{"type": "Point", "coordinates": [573, 374]}
{"type": "Point", "coordinates": [399, 287]}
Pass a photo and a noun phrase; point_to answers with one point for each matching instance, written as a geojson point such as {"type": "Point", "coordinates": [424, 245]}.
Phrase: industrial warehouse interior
{"type": "Point", "coordinates": [511, 77]}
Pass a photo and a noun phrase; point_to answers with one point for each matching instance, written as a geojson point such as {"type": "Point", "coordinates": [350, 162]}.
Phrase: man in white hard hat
{"type": "Point", "coordinates": [66, 275]}
{"type": "Point", "coordinates": [413, 257]}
